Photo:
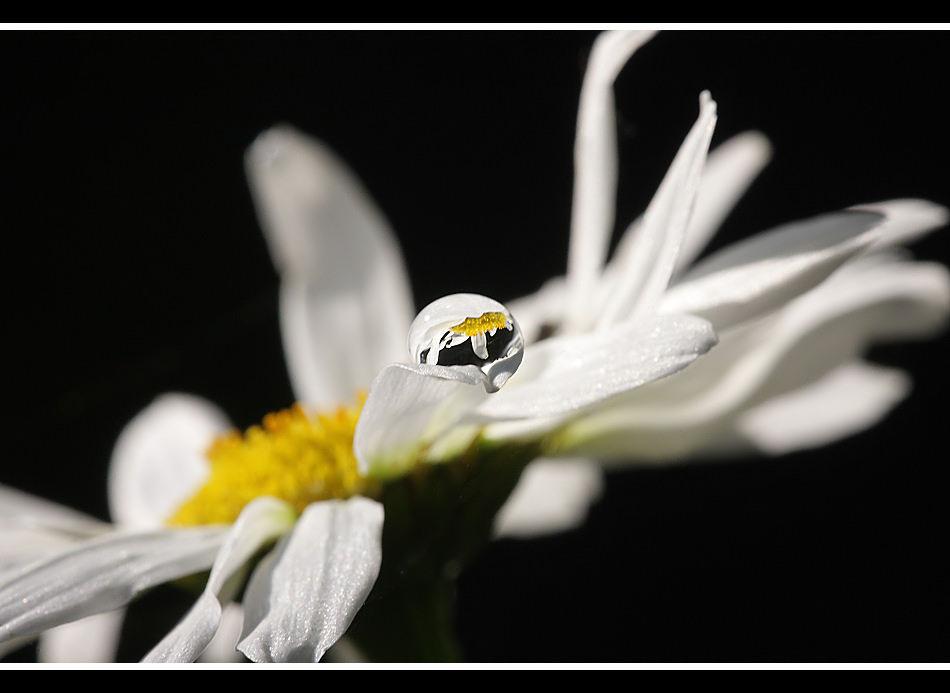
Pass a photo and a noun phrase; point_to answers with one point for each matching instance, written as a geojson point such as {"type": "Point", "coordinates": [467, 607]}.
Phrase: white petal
{"type": "Point", "coordinates": [31, 527]}
{"type": "Point", "coordinates": [730, 170]}
{"type": "Point", "coordinates": [304, 595]}
{"type": "Point", "coordinates": [848, 400]}
{"type": "Point", "coordinates": [595, 164]}
{"type": "Point", "coordinates": [873, 299]}
{"type": "Point", "coordinates": [31, 510]}
{"type": "Point", "coordinates": [543, 310]}
{"type": "Point", "coordinates": [760, 274]}
{"type": "Point", "coordinates": [91, 639]}
{"type": "Point", "coordinates": [99, 575]}
{"type": "Point", "coordinates": [905, 220]}
{"type": "Point", "coordinates": [563, 375]}
{"type": "Point", "coordinates": [407, 408]}
{"type": "Point", "coordinates": [223, 646]}
{"type": "Point", "coordinates": [345, 301]}
{"type": "Point", "coordinates": [551, 496]}
{"type": "Point", "coordinates": [643, 274]}
{"type": "Point", "coordinates": [158, 460]}
{"type": "Point", "coordinates": [877, 298]}
{"type": "Point", "coordinates": [261, 522]}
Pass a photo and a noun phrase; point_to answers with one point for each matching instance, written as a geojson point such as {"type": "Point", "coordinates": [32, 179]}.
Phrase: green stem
{"type": "Point", "coordinates": [437, 516]}
{"type": "Point", "coordinates": [412, 624]}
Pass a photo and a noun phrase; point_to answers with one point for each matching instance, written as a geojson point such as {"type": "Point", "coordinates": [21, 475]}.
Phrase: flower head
{"type": "Point", "coordinates": [647, 356]}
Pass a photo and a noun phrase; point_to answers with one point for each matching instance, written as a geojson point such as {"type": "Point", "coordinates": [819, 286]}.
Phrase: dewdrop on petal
{"type": "Point", "coordinates": [468, 329]}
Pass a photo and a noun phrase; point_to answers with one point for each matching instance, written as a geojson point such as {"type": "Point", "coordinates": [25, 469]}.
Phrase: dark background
{"type": "Point", "coordinates": [132, 264]}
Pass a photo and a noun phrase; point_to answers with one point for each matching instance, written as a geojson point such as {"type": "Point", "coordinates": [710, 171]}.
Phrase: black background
{"type": "Point", "coordinates": [132, 264]}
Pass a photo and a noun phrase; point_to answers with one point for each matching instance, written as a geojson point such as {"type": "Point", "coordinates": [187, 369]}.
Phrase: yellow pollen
{"type": "Point", "coordinates": [293, 456]}
{"type": "Point", "coordinates": [473, 326]}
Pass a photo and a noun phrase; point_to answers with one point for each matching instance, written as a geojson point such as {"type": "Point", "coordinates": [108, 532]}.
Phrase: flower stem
{"type": "Point", "coordinates": [415, 624]}
{"type": "Point", "coordinates": [437, 517]}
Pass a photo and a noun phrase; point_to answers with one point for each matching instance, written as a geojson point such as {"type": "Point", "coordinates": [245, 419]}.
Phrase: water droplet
{"type": "Point", "coordinates": [468, 329]}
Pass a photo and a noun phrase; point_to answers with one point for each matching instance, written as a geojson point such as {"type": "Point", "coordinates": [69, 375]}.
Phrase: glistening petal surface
{"type": "Point", "coordinates": [345, 303]}
{"type": "Point", "coordinates": [563, 375]}
{"type": "Point", "coordinates": [99, 575]}
{"type": "Point", "coordinates": [303, 596]}
{"type": "Point", "coordinates": [262, 521]}
{"type": "Point", "coordinates": [407, 408]}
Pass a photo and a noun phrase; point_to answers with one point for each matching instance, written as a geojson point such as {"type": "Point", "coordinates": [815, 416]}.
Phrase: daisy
{"type": "Point", "coordinates": [289, 516]}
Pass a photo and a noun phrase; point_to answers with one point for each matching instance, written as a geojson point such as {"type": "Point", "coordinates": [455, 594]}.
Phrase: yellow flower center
{"type": "Point", "coordinates": [473, 326]}
{"type": "Point", "coordinates": [293, 456]}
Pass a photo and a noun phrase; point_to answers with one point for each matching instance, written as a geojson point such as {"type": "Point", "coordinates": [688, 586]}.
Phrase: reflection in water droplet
{"type": "Point", "coordinates": [468, 329]}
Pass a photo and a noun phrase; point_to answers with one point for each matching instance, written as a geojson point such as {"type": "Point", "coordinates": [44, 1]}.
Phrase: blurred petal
{"type": "Point", "coordinates": [767, 271]}
{"type": "Point", "coordinates": [90, 639]}
{"type": "Point", "coordinates": [730, 170]}
{"type": "Point", "coordinates": [551, 496]}
{"type": "Point", "coordinates": [223, 646]}
{"type": "Point", "coordinates": [407, 408]}
{"type": "Point", "coordinates": [562, 375]}
{"type": "Point", "coordinates": [345, 300]}
{"type": "Point", "coordinates": [595, 164]}
{"type": "Point", "coordinates": [905, 220]}
{"type": "Point", "coordinates": [262, 521]}
{"type": "Point", "coordinates": [644, 272]}
{"type": "Point", "coordinates": [99, 575]}
{"type": "Point", "coordinates": [304, 595]}
{"type": "Point", "coordinates": [31, 527]}
{"type": "Point", "coordinates": [541, 311]}
{"type": "Point", "coordinates": [848, 400]}
{"type": "Point", "coordinates": [872, 299]}
{"type": "Point", "coordinates": [158, 460]}
{"type": "Point", "coordinates": [31, 510]}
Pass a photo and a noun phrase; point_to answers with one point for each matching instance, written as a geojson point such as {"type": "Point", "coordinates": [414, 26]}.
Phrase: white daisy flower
{"type": "Point", "coordinates": [533, 396]}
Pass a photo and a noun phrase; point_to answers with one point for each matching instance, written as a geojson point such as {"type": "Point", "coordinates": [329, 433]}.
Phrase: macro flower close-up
{"type": "Point", "coordinates": [353, 458]}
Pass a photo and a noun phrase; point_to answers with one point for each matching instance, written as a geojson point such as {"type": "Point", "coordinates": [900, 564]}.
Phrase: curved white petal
{"type": "Point", "coordinates": [99, 575]}
{"type": "Point", "coordinates": [90, 639]}
{"type": "Point", "coordinates": [28, 509]}
{"type": "Point", "coordinates": [408, 407]}
{"type": "Point", "coordinates": [905, 220]}
{"type": "Point", "coordinates": [595, 165]}
{"type": "Point", "coordinates": [873, 299]}
{"type": "Point", "coordinates": [746, 280]}
{"type": "Point", "coordinates": [541, 311]}
{"type": "Point", "coordinates": [850, 399]}
{"type": "Point", "coordinates": [31, 527]}
{"type": "Point", "coordinates": [730, 170]}
{"type": "Point", "coordinates": [564, 375]}
{"type": "Point", "coordinates": [345, 300]}
{"type": "Point", "coordinates": [158, 460]}
{"type": "Point", "coordinates": [223, 646]}
{"type": "Point", "coordinates": [304, 595]}
{"type": "Point", "coordinates": [551, 496]}
{"type": "Point", "coordinates": [262, 521]}
{"type": "Point", "coordinates": [643, 273]}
